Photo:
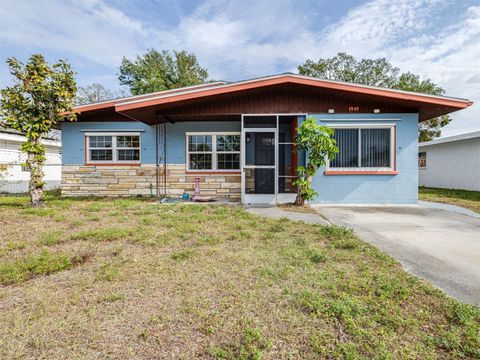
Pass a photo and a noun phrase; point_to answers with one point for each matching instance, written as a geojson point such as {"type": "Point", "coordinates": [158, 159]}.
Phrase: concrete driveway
{"type": "Point", "coordinates": [430, 240]}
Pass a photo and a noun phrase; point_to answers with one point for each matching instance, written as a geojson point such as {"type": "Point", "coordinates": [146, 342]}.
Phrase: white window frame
{"type": "Point", "coordinates": [114, 148]}
{"type": "Point", "coordinates": [214, 151]}
{"type": "Point", "coordinates": [393, 141]}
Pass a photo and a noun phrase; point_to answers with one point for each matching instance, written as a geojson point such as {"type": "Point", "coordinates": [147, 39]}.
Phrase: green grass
{"type": "Point", "coordinates": [103, 234]}
{"type": "Point", "coordinates": [45, 263]}
{"type": "Point", "coordinates": [139, 279]}
{"type": "Point", "coordinates": [464, 198]}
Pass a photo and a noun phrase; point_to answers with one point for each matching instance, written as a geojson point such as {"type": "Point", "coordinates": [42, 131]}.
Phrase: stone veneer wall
{"type": "Point", "coordinates": [114, 180]}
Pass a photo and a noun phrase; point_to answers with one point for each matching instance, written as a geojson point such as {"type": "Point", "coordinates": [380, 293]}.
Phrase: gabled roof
{"type": "Point", "coordinates": [436, 104]}
{"type": "Point", "coordinates": [448, 139]}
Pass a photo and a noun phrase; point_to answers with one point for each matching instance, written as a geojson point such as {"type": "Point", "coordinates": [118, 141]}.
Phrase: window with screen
{"type": "Point", "coordinates": [363, 148]}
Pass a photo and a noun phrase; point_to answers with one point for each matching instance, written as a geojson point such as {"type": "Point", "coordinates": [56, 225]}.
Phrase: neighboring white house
{"type": "Point", "coordinates": [14, 177]}
{"type": "Point", "coordinates": [451, 162]}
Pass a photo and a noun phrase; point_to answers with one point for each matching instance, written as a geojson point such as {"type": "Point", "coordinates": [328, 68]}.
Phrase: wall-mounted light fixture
{"type": "Point", "coordinates": [331, 111]}
{"type": "Point", "coordinates": [376, 111]}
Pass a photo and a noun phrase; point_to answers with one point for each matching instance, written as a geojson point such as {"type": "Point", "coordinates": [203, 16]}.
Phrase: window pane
{"type": "Point", "coordinates": [285, 185]}
{"type": "Point", "coordinates": [422, 159]}
{"type": "Point", "coordinates": [375, 147]}
{"type": "Point", "coordinates": [132, 155]}
{"type": "Point", "coordinates": [287, 128]}
{"type": "Point", "coordinates": [200, 161]}
{"type": "Point", "coordinates": [100, 141]}
{"type": "Point", "coordinates": [347, 143]}
{"type": "Point", "coordinates": [259, 121]}
{"type": "Point", "coordinates": [128, 141]}
{"type": "Point", "coordinates": [199, 143]}
{"type": "Point", "coordinates": [287, 159]}
{"type": "Point", "coordinates": [228, 161]}
{"type": "Point", "coordinates": [228, 142]}
{"type": "Point", "coordinates": [260, 148]}
{"type": "Point", "coordinates": [101, 155]}
{"type": "Point", "coordinates": [259, 181]}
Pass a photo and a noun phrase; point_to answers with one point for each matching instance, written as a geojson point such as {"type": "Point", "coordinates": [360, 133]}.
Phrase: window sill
{"type": "Point", "coordinates": [212, 172]}
{"type": "Point", "coordinates": [112, 164]}
{"type": "Point", "coordinates": [359, 172]}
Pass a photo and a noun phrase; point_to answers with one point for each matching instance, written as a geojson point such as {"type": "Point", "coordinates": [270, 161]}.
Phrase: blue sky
{"type": "Point", "coordinates": [438, 39]}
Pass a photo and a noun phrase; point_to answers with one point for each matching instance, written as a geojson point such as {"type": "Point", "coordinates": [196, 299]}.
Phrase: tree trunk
{"type": "Point", "coordinates": [36, 178]}
{"type": "Point", "coordinates": [299, 200]}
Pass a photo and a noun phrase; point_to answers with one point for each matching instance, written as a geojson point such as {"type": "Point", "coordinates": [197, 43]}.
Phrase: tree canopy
{"type": "Point", "coordinates": [40, 98]}
{"type": "Point", "coordinates": [377, 72]}
{"type": "Point", "coordinates": [94, 93]}
{"type": "Point", "coordinates": [161, 70]}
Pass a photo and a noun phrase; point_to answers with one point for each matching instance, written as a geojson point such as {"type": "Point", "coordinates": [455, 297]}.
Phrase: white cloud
{"type": "Point", "coordinates": [237, 40]}
{"type": "Point", "coordinates": [89, 30]}
{"type": "Point", "coordinates": [449, 56]}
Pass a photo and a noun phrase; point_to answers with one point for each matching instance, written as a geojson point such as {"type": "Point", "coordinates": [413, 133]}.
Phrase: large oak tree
{"type": "Point", "coordinates": [377, 72]}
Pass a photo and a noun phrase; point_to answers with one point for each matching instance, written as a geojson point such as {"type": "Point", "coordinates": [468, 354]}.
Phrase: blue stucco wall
{"type": "Point", "coordinates": [375, 189]}
{"type": "Point", "coordinates": [346, 189]}
{"type": "Point", "coordinates": [73, 151]}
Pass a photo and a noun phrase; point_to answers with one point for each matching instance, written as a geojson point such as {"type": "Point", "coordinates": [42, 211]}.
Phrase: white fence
{"type": "Point", "coordinates": [14, 178]}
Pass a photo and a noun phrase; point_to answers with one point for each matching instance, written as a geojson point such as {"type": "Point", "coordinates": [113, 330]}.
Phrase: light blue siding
{"type": "Point", "coordinates": [375, 189]}
{"type": "Point", "coordinates": [73, 145]}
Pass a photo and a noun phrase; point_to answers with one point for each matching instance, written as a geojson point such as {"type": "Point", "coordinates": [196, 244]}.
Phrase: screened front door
{"type": "Point", "coordinates": [269, 158]}
{"type": "Point", "coordinates": [259, 166]}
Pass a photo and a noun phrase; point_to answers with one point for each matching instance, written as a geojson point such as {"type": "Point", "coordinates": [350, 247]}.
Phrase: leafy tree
{"type": "Point", "coordinates": [318, 142]}
{"type": "Point", "coordinates": [377, 72]}
{"type": "Point", "coordinates": [157, 71]}
{"type": "Point", "coordinates": [40, 98]}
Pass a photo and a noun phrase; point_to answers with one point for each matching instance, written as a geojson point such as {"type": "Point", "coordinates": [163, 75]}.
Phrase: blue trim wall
{"type": "Point", "coordinates": [73, 146]}
{"type": "Point", "coordinates": [374, 189]}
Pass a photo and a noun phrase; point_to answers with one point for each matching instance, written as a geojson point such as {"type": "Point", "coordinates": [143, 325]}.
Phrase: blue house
{"type": "Point", "coordinates": [237, 140]}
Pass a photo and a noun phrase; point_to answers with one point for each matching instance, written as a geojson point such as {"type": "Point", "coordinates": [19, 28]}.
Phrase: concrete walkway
{"type": "Point", "coordinates": [437, 242]}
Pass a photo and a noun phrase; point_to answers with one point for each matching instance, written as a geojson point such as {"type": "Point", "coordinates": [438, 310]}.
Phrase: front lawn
{"type": "Point", "coordinates": [467, 199]}
{"type": "Point", "coordinates": [129, 278]}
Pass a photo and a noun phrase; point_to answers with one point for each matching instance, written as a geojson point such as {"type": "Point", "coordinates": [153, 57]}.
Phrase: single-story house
{"type": "Point", "coordinates": [452, 162]}
{"type": "Point", "coordinates": [238, 139]}
{"type": "Point", "coordinates": [14, 176]}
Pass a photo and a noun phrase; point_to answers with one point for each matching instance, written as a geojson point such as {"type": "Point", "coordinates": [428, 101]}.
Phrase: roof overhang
{"type": "Point", "coordinates": [428, 106]}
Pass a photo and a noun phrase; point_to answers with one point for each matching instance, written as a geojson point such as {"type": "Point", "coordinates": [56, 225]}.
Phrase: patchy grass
{"type": "Point", "coordinates": [209, 281]}
{"type": "Point", "coordinates": [467, 199]}
{"type": "Point", "coordinates": [45, 263]}
{"type": "Point", "coordinates": [306, 209]}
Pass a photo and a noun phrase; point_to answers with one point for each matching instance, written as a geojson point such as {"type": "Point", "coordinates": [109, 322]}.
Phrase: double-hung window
{"type": "Point", "coordinates": [113, 148]}
{"type": "Point", "coordinates": [213, 151]}
{"type": "Point", "coordinates": [364, 148]}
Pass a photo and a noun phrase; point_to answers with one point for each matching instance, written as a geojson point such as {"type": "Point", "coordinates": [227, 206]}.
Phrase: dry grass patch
{"type": "Point", "coordinates": [209, 281]}
{"type": "Point", "coordinates": [465, 198]}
